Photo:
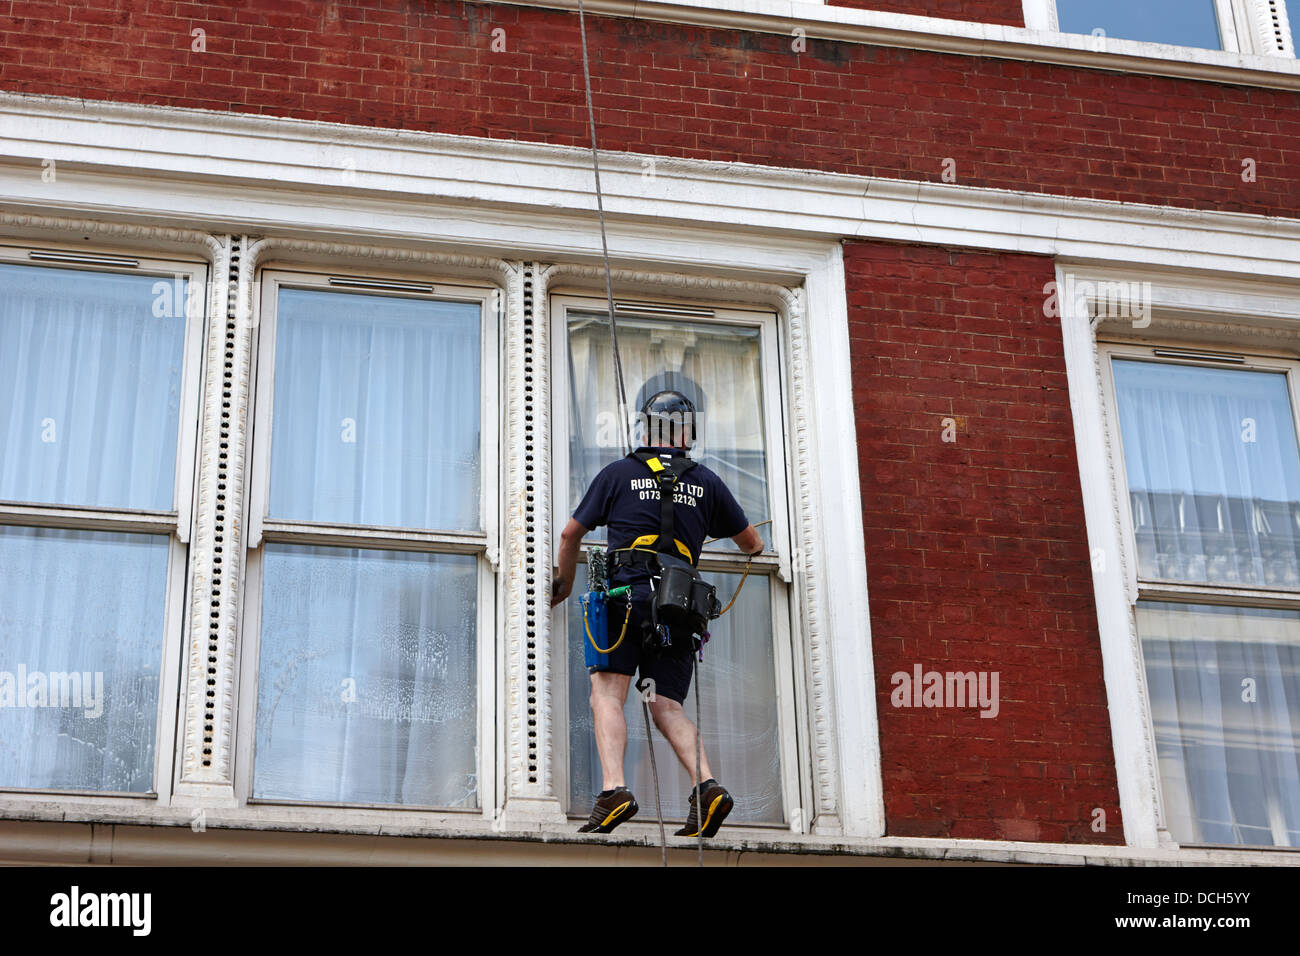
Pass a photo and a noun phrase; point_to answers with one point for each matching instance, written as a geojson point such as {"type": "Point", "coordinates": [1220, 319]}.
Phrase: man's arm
{"type": "Point", "coordinates": [749, 541]}
{"type": "Point", "coordinates": [570, 540]}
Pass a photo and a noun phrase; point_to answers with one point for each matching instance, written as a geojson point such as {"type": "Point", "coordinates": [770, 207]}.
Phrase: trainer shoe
{"type": "Point", "coordinates": [717, 803]}
{"type": "Point", "coordinates": [610, 811]}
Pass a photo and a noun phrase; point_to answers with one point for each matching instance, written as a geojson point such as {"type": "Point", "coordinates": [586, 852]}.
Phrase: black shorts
{"type": "Point", "coordinates": [670, 668]}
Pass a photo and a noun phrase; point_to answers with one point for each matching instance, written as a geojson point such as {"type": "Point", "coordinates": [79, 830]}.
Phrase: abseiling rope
{"type": "Point", "coordinates": [618, 379]}
{"type": "Point", "coordinates": [604, 243]}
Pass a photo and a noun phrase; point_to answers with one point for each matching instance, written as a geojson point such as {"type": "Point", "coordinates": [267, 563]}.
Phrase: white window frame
{"type": "Point", "coordinates": [1259, 318]}
{"type": "Point", "coordinates": [1151, 590]}
{"type": "Point", "coordinates": [1155, 589]}
{"type": "Point", "coordinates": [775, 563]}
{"type": "Point", "coordinates": [178, 521]}
{"type": "Point", "coordinates": [273, 277]}
{"type": "Point", "coordinates": [1245, 26]}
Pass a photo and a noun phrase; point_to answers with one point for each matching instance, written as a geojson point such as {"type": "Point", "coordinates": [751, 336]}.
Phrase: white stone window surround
{"type": "Point", "coordinates": [185, 260]}
{"type": "Point", "coordinates": [1256, 27]}
{"type": "Point", "coordinates": [788, 660]}
{"type": "Point", "coordinates": [1187, 311]}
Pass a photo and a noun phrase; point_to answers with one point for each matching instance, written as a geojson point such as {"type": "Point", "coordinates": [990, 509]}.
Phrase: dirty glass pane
{"type": "Point", "coordinates": [1224, 684]}
{"type": "Point", "coordinates": [367, 680]}
{"type": "Point", "coordinates": [717, 366]}
{"type": "Point", "coordinates": [81, 625]}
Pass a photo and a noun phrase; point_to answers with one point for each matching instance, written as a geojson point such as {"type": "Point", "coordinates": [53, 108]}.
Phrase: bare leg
{"type": "Point", "coordinates": [608, 692]}
{"type": "Point", "coordinates": [674, 724]}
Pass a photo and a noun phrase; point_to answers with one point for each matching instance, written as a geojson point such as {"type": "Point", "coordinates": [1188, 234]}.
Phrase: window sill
{"type": "Point", "coordinates": [879, 28]}
{"type": "Point", "coordinates": [67, 833]}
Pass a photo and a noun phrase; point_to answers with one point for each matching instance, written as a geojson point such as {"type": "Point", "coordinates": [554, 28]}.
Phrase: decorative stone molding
{"type": "Point", "coordinates": [808, 521]}
{"type": "Point", "coordinates": [1272, 28]}
{"type": "Point", "coordinates": [531, 798]}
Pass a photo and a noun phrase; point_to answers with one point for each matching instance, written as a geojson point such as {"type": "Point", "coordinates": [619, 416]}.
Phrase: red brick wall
{"type": "Point", "coordinates": [674, 90]}
{"type": "Point", "coordinates": [1008, 12]}
{"type": "Point", "coordinates": [977, 557]}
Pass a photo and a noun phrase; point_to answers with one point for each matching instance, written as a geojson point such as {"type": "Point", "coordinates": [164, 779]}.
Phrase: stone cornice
{"type": "Point", "coordinates": [253, 173]}
{"type": "Point", "coordinates": [878, 28]}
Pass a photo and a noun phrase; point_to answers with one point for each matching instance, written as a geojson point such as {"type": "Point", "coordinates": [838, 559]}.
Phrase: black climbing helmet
{"type": "Point", "coordinates": [667, 414]}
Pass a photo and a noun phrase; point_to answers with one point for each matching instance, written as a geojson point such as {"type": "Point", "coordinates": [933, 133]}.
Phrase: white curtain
{"type": "Point", "coordinates": [1213, 473]}
{"type": "Point", "coordinates": [719, 368]}
{"type": "Point", "coordinates": [89, 603]}
{"type": "Point", "coordinates": [377, 407]}
{"type": "Point", "coordinates": [89, 388]}
{"type": "Point", "coordinates": [1224, 685]}
{"type": "Point", "coordinates": [368, 675]}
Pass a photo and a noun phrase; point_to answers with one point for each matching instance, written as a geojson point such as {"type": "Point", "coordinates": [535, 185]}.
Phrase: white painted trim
{"type": "Point", "coordinates": [1040, 15]}
{"type": "Point", "coordinates": [282, 176]}
{"type": "Point", "coordinates": [1135, 770]}
{"type": "Point", "coordinates": [74, 834]}
{"type": "Point", "coordinates": [879, 28]}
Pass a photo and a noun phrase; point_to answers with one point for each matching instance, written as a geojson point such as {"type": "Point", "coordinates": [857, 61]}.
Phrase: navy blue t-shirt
{"type": "Point", "coordinates": [625, 496]}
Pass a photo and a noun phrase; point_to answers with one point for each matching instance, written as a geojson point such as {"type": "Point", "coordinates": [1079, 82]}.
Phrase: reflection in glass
{"type": "Point", "coordinates": [81, 623]}
{"type": "Point", "coordinates": [367, 681]}
{"type": "Point", "coordinates": [717, 366]}
{"type": "Point", "coordinates": [376, 411]}
{"type": "Point", "coordinates": [1179, 22]}
{"type": "Point", "coordinates": [1224, 685]}
{"type": "Point", "coordinates": [90, 381]}
{"type": "Point", "coordinates": [1213, 473]}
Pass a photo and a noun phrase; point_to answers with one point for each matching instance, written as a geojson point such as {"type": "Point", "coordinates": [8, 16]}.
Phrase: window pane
{"type": "Point", "coordinates": [367, 682]}
{"type": "Point", "coordinates": [1213, 473]}
{"type": "Point", "coordinates": [81, 622]}
{"type": "Point", "coordinates": [718, 367]}
{"type": "Point", "coordinates": [1225, 699]}
{"type": "Point", "coordinates": [90, 381]}
{"type": "Point", "coordinates": [738, 707]}
{"type": "Point", "coordinates": [1180, 22]}
{"type": "Point", "coordinates": [377, 407]}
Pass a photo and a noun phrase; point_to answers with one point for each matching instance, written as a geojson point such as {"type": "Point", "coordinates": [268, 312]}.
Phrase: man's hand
{"type": "Point", "coordinates": [562, 582]}
{"type": "Point", "coordinates": [749, 541]}
{"type": "Point", "coordinates": [560, 589]}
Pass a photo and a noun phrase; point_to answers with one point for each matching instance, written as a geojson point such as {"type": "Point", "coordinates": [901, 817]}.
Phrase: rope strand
{"type": "Point", "coordinates": [604, 242]}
